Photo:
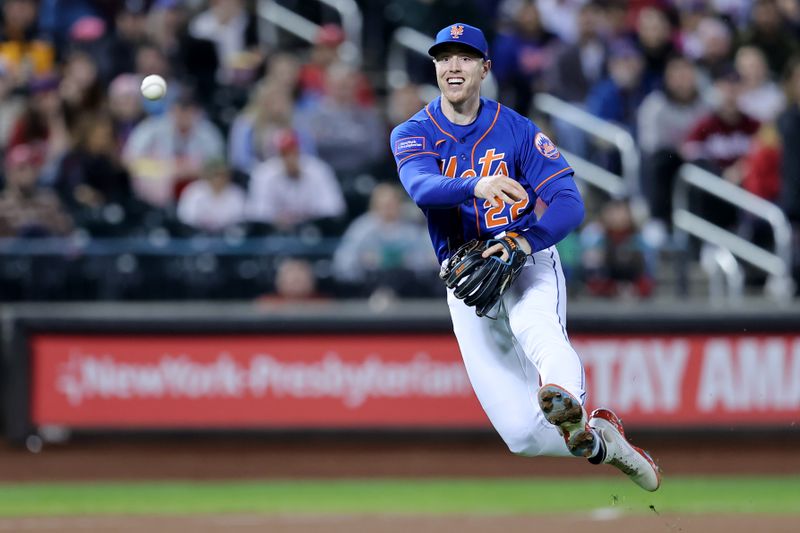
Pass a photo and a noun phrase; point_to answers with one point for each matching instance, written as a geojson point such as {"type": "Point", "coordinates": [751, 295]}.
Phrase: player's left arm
{"type": "Point", "coordinates": [565, 212]}
{"type": "Point", "coordinates": [550, 176]}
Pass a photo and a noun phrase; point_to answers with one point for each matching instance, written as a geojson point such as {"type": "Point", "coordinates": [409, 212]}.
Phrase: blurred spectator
{"type": "Point", "coordinates": [90, 175]}
{"type": "Point", "coordinates": [404, 103]}
{"type": "Point", "coordinates": [294, 282]}
{"type": "Point", "coordinates": [761, 168]}
{"type": "Point", "coordinates": [233, 28]}
{"type": "Point", "coordinates": [582, 64]}
{"type": "Point", "coordinates": [719, 141]}
{"type": "Point", "coordinates": [560, 17]}
{"type": "Point", "coordinates": [252, 134]}
{"type": "Point", "coordinates": [165, 153]}
{"type": "Point", "coordinates": [213, 203]}
{"type": "Point", "coordinates": [130, 31]}
{"type": "Point", "coordinates": [790, 11]}
{"type": "Point", "coordinates": [768, 31]}
{"type": "Point", "coordinates": [194, 60]}
{"type": "Point", "coordinates": [522, 55]}
{"type": "Point", "coordinates": [714, 52]}
{"type": "Point", "coordinates": [760, 98]}
{"type": "Point", "coordinates": [382, 242]}
{"type": "Point", "coordinates": [283, 69]}
{"type": "Point", "coordinates": [654, 32]}
{"type": "Point", "coordinates": [22, 49]}
{"type": "Point", "coordinates": [789, 128]}
{"type": "Point", "coordinates": [125, 106]}
{"type": "Point", "coordinates": [577, 68]}
{"type": "Point", "coordinates": [81, 89]}
{"type": "Point", "coordinates": [616, 259]}
{"type": "Point", "coordinates": [665, 118]}
{"type": "Point", "coordinates": [150, 59]}
{"type": "Point", "coordinates": [293, 188]}
{"type": "Point", "coordinates": [12, 104]}
{"type": "Point", "coordinates": [325, 53]}
{"type": "Point", "coordinates": [348, 136]}
{"type": "Point", "coordinates": [43, 124]}
{"type": "Point", "coordinates": [27, 210]}
{"type": "Point", "coordinates": [617, 97]}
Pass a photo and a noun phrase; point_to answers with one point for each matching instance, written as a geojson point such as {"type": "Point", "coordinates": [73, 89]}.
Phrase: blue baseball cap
{"type": "Point", "coordinates": [463, 34]}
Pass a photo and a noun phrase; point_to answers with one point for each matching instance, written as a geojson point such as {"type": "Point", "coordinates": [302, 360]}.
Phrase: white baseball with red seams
{"type": "Point", "coordinates": [154, 87]}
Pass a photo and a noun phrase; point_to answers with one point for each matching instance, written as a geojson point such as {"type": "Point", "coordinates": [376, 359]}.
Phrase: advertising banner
{"type": "Point", "coordinates": [397, 381]}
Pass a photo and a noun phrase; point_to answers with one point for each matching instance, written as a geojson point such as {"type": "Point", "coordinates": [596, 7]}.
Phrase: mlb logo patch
{"type": "Point", "coordinates": [409, 144]}
{"type": "Point", "coordinates": [545, 146]}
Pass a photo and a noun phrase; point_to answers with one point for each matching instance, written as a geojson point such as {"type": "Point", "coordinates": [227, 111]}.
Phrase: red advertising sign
{"type": "Point", "coordinates": [279, 381]}
{"type": "Point", "coordinates": [393, 381]}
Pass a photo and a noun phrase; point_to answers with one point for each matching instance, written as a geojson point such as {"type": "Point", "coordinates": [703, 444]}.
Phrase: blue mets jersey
{"type": "Point", "coordinates": [440, 162]}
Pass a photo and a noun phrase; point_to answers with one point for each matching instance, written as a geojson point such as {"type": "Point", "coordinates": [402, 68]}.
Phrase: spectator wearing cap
{"type": "Point", "coordinates": [664, 120]}
{"type": "Point", "coordinates": [348, 136]}
{"type": "Point", "coordinates": [617, 97]}
{"type": "Point", "coordinates": [251, 139]}
{"type": "Point", "coordinates": [90, 175]}
{"type": "Point", "coordinates": [293, 188]}
{"type": "Point", "coordinates": [43, 123]}
{"type": "Point", "coordinates": [25, 53]}
{"type": "Point", "coordinates": [26, 209]}
{"type": "Point", "coordinates": [164, 153]}
{"type": "Point", "coordinates": [233, 28]}
{"type": "Point", "coordinates": [324, 53]}
{"type": "Point", "coordinates": [719, 141]}
{"type": "Point", "coordinates": [213, 203]}
{"type": "Point", "coordinates": [522, 56]}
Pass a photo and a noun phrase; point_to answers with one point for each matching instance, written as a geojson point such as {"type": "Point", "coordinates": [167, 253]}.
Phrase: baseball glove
{"type": "Point", "coordinates": [481, 281]}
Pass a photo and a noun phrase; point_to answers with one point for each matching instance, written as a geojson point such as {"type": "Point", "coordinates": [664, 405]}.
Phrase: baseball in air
{"type": "Point", "coordinates": [154, 87]}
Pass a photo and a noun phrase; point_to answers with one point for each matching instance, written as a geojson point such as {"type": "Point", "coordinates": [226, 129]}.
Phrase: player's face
{"type": "Point", "coordinates": [459, 73]}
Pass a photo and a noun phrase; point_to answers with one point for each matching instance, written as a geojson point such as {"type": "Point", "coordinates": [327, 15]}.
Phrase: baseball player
{"type": "Point", "coordinates": [477, 170]}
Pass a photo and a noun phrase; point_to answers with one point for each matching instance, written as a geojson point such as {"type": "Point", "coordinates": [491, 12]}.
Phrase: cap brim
{"type": "Point", "coordinates": [432, 50]}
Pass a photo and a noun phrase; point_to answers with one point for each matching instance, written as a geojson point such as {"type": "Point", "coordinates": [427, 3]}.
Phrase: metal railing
{"type": "Point", "coordinates": [776, 263]}
{"type": "Point", "coordinates": [407, 39]}
{"type": "Point", "coordinates": [349, 14]}
{"type": "Point", "coordinates": [619, 137]}
{"type": "Point", "coordinates": [726, 278]}
{"type": "Point", "coordinates": [595, 175]}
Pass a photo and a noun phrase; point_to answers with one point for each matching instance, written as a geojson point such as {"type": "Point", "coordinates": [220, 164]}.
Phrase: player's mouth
{"type": "Point", "coordinates": [455, 82]}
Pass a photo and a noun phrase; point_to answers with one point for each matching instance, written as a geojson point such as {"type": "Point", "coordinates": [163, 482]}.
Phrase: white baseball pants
{"type": "Point", "coordinates": [505, 358]}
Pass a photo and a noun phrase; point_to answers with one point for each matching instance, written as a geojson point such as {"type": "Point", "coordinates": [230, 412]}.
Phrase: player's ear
{"type": "Point", "coordinates": [487, 66]}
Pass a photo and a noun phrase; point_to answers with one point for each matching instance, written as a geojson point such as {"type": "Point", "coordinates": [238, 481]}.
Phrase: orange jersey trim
{"type": "Point", "coordinates": [437, 124]}
{"type": "Point", "coordinates": [414, 155]}
{"type": "Point", "coordinates": [440, 141]}
{"type": "Point", "coordinates": [551, 176]}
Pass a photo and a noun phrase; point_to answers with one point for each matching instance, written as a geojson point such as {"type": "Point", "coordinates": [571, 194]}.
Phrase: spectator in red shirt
{"type": "Point", "coordinates": [719, 142]}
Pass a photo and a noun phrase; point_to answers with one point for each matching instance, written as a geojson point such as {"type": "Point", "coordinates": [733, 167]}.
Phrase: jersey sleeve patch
{"type": "Point", "coordinates": [545, 146]}
{"type": "Point", "coordinates": [409, 144]}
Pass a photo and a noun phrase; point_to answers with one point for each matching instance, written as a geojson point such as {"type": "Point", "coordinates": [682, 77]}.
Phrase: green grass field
{"type": "Point", "coordinates": [779, 495]}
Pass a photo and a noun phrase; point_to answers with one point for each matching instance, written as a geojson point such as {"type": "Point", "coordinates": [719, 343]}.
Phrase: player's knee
{"type": "Point", "coordinates": [523, 444]}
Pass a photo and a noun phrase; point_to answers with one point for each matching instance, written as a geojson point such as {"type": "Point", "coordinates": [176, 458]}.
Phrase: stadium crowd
{"type": "Point", "coordinates": [265, 171]}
